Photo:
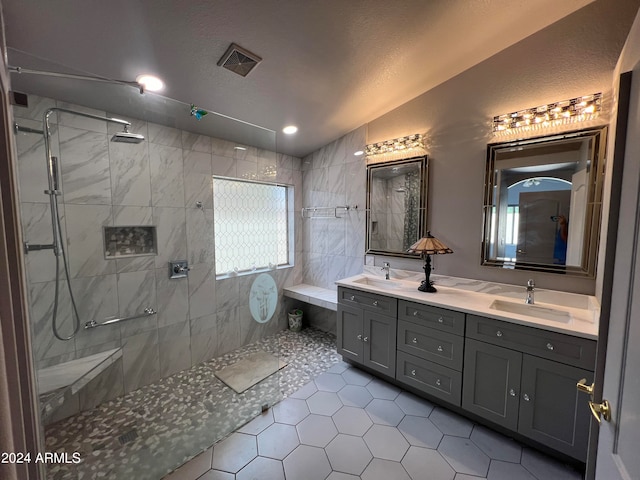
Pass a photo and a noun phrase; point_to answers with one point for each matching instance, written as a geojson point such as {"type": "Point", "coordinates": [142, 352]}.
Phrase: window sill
{"type": "Point", "coordinates": [226, 276]}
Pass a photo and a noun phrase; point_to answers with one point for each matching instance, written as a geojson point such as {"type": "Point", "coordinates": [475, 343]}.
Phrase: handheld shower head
{"type": "Point", "coordinates": [127, 137]}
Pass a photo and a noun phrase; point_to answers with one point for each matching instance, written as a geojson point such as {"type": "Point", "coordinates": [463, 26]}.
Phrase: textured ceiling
{"type": "Point", "coordinates": [329, 66]}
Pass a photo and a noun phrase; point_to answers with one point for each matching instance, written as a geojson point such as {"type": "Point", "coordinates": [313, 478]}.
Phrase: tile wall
{"type": "Point", "coordinates": [333, 248]}
{"type": "Point", "coordinates": [156, 182]}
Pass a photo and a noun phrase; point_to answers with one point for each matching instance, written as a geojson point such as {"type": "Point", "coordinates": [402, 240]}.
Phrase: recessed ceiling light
{"type": "Point", "coordinates": [358, 153]}
{"type": "Point", "coordinates": [290, 129]}
{"type": "Point", "coordinates": [150, 83]}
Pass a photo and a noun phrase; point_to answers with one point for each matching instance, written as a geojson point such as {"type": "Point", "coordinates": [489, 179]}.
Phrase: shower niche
{"type": "Point", "coordinates": [130, 241]}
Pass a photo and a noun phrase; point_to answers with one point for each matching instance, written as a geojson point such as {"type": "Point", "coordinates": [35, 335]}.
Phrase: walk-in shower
{"type": "Point", "coordinates": [144, 390]}
{"type": "Point", "coordinates": [53, 176]}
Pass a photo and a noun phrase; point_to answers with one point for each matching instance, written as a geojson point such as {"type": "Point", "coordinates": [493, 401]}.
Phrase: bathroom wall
{"type": "Point", "coordinates": [456, 116]}
{"type": "Point", "coordinates": [156, 182]}
{"type": "Point", "coordinates": [333, 248]}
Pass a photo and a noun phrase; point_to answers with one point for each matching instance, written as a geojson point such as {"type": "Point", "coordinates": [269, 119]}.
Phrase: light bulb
{"type": "Point", "coordinates": [150, 83]}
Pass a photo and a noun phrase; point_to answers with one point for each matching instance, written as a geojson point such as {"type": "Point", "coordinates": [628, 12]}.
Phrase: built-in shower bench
{"type": "Point", "coordinates": [321, 297]}
{"type": "Point", "coordinates": [58, 381]}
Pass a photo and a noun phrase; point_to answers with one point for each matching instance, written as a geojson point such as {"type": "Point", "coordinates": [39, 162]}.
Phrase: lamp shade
{"type": "Point", "coordinates": [429, 245]}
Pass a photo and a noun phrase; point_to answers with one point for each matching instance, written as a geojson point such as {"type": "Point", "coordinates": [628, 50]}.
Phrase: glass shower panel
{"type": "Point", "coordinates": [167, 366]}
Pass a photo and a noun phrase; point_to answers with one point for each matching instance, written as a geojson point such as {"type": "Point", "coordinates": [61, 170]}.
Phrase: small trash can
{"type": "Point", "coordinates": [295, 320]}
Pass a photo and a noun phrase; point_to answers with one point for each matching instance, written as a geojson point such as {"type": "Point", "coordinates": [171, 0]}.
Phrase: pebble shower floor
{"type": "Point", "coordinates": [147, 433]}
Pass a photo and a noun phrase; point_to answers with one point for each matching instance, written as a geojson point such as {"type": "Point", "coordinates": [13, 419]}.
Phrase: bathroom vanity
{"type": "Point", "coordinates": [491, 356]}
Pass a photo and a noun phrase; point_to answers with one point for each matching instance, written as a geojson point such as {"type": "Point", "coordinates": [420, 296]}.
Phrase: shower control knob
{"type": "Point", "coordinates": [178, 269]}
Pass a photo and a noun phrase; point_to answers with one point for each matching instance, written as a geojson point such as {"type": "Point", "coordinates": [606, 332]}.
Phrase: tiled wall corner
{"type": "Point", "coordinates": [334, 176]}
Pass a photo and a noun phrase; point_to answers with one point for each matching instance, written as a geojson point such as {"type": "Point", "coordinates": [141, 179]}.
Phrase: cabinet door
{"type": "Point", "coordinates": [552, 411]}
{"type": "Point", "coordinates": [491, 382]}
{"type": "Point", "coordinates": [349, 342]}
{"type": "Point", "coordinates": [380, 343]}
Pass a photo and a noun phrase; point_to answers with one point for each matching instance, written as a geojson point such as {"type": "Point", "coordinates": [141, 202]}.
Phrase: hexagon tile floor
{"type": "Point", "coordinates": [348, 425]}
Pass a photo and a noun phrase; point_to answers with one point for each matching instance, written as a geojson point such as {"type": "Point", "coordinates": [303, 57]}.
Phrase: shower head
{"type": "Point", "coordinates": [127, 137]}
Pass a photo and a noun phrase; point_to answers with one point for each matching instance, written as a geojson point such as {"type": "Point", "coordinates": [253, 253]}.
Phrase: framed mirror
{"type": "Point", "coordinates": [543, 202]}
{"type": "Point", "coordinates": [396, 206]}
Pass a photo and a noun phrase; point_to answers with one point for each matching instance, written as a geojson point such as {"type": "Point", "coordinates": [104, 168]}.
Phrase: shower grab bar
{"type": "Point", "coordinates": [147, 312]}
{"type": "Point", "coordinates": [19, 128]}
{"type": "Point", "coordinates": [32, 247]}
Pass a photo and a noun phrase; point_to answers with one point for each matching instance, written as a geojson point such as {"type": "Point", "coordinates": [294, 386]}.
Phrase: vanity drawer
{"type": "Point", "coordinates": [576, 351]}
{"type": "Point", "coordinates": [433, 317]}
{"type": "Point", "coordinates": [430, 344]}
{"type": "Point", "coordinates": [429, 377]}
{"type": "Point", "coordinates": [368, 301]}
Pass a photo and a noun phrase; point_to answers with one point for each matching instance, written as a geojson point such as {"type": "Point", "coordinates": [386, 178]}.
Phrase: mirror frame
{"type": "Point", "coordinates": [587, 267]}
{"type": "Point", "coordinates": [422, 225]}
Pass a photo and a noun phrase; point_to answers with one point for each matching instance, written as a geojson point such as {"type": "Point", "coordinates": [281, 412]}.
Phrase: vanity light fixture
{"type": "Point", "coordinates": [410, 143]}
{"type": "Point", "coordinates": [574, 110]}
{"type": "Point", "coordinates": [428, 246]}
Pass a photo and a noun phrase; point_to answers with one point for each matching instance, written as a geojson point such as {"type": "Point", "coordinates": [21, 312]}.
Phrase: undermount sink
{"type": "Point", "coordinates": [377, 282]}
{"type": "Point", "coordinates": [531, 310]}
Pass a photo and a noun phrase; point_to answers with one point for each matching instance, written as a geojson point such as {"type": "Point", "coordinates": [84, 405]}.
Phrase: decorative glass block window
{"type": "Point", "coordinates": [253, 225]}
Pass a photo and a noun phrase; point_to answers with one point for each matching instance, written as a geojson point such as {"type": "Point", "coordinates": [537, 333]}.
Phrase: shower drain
{"type": "Point", "coordinates": [128, 437]}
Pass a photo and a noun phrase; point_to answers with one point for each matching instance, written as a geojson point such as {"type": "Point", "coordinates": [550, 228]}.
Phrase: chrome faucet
{"type": "Point", "coordinates": [530, 286]}
{"type": "Point", "coordinates": [386, 266]}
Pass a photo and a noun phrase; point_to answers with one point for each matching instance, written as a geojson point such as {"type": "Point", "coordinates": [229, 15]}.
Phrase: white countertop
{"type": "Point", "coordinates": [583, 309]}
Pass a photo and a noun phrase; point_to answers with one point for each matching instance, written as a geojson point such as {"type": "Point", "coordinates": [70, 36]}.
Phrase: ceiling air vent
{"type": "Point", "coordinates": [239, 60]}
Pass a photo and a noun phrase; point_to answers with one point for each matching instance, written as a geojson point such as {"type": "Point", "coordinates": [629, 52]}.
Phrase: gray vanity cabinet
{"type": "Point", "coordinates": [430, 346]}
{"type": "Point", "coordinates": [367, 327]}
{"type": "Point", "coordinates": [492, 382]}
{"type": "Point", "coordinates": [350, 326]}
{"type": "Point", "coordinates": [552, 411]}
{"type": "Point", "coordinates": [533, 394]}
{"type": "Point", "coordinates": [519, 377]}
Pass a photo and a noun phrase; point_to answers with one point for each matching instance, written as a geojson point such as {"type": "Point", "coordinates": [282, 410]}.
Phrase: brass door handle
{"type": "Point", "coordinates": [583, 387]}
{"type": "Point", "coordinates": [600, 410]}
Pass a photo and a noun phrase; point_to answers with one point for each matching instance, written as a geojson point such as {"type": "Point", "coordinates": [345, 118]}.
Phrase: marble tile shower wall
{"type": "Point", "coordinates": [395, 213]}
{"type": "Point", "coordinates": [333, 248]}
{"type": "Point", "coordinates": [156, 182]}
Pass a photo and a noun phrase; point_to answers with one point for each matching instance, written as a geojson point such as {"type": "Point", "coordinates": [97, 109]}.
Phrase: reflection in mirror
{"type": "Point", "coordinates": [396, 205]}
{"type": "Point", "coordinates": [543, 203]}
